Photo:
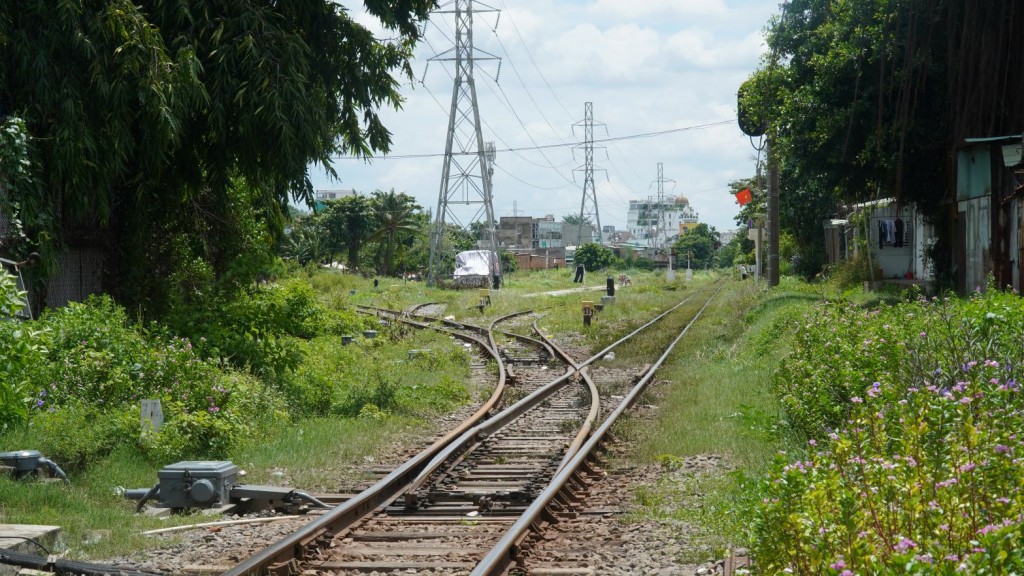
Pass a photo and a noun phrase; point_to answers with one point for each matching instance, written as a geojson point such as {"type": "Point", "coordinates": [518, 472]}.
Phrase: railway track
{"type": "Point", "coordinates": [471, 502]}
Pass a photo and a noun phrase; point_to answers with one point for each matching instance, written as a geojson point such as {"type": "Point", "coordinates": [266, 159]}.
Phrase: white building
{"type": "Point", "coordinates": [325, 195]}
{"type": "Point", "coordinates": [654, 224]}
{"type": "Point", "coordinates": [729, 235]}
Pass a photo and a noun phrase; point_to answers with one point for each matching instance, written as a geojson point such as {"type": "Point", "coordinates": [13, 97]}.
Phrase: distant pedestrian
{"type": "Point", "coordinates": [743, 272]}
{"type": "Point", "coordinates": [580, 270]}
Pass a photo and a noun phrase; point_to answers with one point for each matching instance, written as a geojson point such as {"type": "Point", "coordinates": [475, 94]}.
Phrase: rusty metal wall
{"type": "Point", "coordinates": [81, 274]}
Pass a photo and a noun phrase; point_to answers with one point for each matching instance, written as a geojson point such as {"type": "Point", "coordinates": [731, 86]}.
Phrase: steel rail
{"type": "Point", "coordinates": [595, 399]}
{"type": "Point", "coordinates": [524, 405]}
{"type": "Point", "coordinates": [292, 547]}
{"type": "Point", "coordinates": [501, 556]}
{"type": "Point", "coordinates": [413, 472]}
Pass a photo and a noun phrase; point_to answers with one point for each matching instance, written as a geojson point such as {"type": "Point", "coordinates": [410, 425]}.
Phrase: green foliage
{"type": "Point", "coordinates": [915, 410]}
{"type": "Point", "coordinates": [257, 328]}
{"type": "Point", "coordinates": [593, 256]}
{"type": "Point", "coordinates": [22, 350]}
{"type": "Point", "coordinates": [306, 242]}
{"type": "Point", "coordinates": [632, 261]}
{"type": "Point", "coordinates": [698, 244]}
{"type": "Point", "coordinates": [78, 433]}
{"type": "Point", "coordinates": [455, 240]}
{"type": "Point", "coordinates": [85, 395]}
{"type": "Point", "coordinates": [395, 226]}
{"type": "Point", "coordinates": [347, 223]}
{"type": "Point", "coordinates": [344, 380]}
{"type": "Point", "coordinates": [576, 220]}
{"type": "Point", "coordinates": [508, 262]}
{"type": "Point", "coordinates": [202, 434]}
{"type": "Point", "coordinates": [144, 119]}
{"type": "Point", "coordinates": [849, 113]}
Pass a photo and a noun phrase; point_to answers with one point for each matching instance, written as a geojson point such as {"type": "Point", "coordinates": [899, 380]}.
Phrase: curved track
{"type": "Point", "coordinates": [471, 502]}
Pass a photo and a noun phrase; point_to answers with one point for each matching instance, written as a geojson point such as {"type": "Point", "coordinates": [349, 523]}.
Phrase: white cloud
{"type": "Point", "coordinates": [661, 9]}
{"type": "Point", "coordinates": [647, 66]}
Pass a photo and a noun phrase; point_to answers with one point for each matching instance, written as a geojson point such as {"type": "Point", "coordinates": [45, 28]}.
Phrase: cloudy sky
{"type": "Point", "coordinates": [648, 66]}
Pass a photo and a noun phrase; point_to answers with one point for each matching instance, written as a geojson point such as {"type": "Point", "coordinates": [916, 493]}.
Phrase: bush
{"type": "Point", "coordinates": [77, 433]}
{"type": "Point", "coordinates": [195, 435]}
{"type": "Point", "coordinates": [342, 380]}
{"type": "Point", "coordinates": [257, 329]}
{"type": "Point", "coordinates": [21, 353]}
{"type": "Point", "coordinates": [921, 474]}
{"type": "Point", "coordinates": [593, 256]}
{"type": "Point", "coordinates": [100, 367]}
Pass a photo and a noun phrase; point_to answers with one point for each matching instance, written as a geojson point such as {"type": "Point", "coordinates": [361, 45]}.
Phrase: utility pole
{"type": "Point", "coordinates": [589, 193]}
{"type": "Point", "coordinates": [467, 172]}
{"type": "Point", "coordinates": [773, 216]}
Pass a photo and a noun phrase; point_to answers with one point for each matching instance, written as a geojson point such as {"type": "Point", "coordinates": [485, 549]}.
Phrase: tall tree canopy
{"type": "Point", "coordinates": [696, 247]}
{"type": "Point", "coordinates": [348, 223]}
{"type": "Point", "coordinates": [395, 219]}
{"type": "Point", "coordinates": [147, 118]}
{"type": "Point", "coordinates": [872, 97]}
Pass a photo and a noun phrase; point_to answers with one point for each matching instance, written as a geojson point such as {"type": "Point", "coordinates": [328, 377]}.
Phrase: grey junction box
{"type": "Point", "coordinates": [197, 483]}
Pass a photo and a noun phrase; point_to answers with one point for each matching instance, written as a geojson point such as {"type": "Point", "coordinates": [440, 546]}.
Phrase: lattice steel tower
{"type": "Point", "coordinates": [466, 177]}
{"type": "Point", "coordinates": [589, 193]}
{"type": "Point", "coordinates": [662, 237]}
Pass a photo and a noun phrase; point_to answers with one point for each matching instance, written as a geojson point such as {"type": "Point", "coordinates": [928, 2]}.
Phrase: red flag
{"type": "Point", "coordinates": [744, 196]}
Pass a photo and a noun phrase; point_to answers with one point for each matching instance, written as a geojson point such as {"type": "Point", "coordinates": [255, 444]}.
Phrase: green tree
{"type": "Point", "coordinates": [307, 242]}
{"type": "Point", "coordinates": [865, 98]}
{"type": "Point", "coordinates": [456, 239]}
{"type": "Point", "coordinates": [699, 244]}
{"type": "Point", "coordinates": [348, 223]}
{"type": "Point", "coordinates": [22, 350]}
{"type": "Point", "coordinates": [594, 256]}
{"type": "Point", "coordinates": [394, 220]}
{"type": "Point", "coordinates": [145, 117]}
{"type": "Point", "coordinates": [575, 220]}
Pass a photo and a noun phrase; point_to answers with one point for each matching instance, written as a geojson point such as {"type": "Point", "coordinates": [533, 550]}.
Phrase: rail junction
{"type": "Point", "coordinates": [475, 500]}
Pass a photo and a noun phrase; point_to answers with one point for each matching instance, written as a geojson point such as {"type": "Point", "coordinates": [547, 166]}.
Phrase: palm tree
{"type": "Point", "coordinates": [395, 216]}
{"type": "Point", "coordinates": [306, 243]}
{"type": "Point", "coordinates": [349, 222]}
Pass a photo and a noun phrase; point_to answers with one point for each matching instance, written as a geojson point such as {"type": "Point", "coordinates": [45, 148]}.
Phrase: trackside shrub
{"type": "Point", "coordinates": [345, 380]}
{"type": "Point", "coordinates": [21, 352]}
{"type": "Point", "coordinates": [259, 328]}
{"type": "Point", "coordinates": [79, 433]}
{"type": "Point", "coordinates": [85, 397]}
{"type": "Point", "coordinates": [921, 473]}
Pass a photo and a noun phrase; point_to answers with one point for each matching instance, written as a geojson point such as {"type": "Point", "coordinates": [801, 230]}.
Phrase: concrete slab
{"type": "Point", "coordinates": [17, 538]}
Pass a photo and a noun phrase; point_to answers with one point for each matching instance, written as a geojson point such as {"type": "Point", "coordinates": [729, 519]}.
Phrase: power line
{"type": "Point", "coordinates": [566, 145]}
{"type": "Point", "coordinates": [524, 182]}
{"type": "Point", "coordinates": [530, 55]}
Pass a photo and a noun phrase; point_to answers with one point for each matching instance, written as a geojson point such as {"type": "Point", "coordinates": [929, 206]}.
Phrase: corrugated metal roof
{"type": "Point", "coordinates": [1012, 138]}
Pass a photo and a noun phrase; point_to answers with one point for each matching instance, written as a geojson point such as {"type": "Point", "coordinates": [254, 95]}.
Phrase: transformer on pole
{"type": "Point", "coordinates": [466, 176]}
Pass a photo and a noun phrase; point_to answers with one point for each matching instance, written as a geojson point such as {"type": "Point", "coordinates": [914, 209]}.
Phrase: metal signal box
{"type": "Point", "coordinates": [197, 483]}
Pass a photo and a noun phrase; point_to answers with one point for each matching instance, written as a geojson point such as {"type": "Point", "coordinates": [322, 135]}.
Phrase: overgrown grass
{"type": "Point", "coordinates": [714, 398]}
{"type": "Point", "coordinates": [913, 413]}
{"type": "Point", "coordinates": [95, 521]}
{"type": "Point", "coordinates": [366, 398]}
{"type": "Point", "coordinates": [327, 454]}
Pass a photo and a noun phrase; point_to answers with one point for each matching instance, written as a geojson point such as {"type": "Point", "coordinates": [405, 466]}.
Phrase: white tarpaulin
{"type": "Point", "coordinates": [476, 263]}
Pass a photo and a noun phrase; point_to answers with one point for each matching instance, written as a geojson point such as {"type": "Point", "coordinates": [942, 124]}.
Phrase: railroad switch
{"type": "Point", "coordinates": [211, 484]}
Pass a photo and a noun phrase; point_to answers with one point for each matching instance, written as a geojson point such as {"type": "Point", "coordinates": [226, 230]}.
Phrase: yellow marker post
{"type": "Point", "coordinates": [588, 312]}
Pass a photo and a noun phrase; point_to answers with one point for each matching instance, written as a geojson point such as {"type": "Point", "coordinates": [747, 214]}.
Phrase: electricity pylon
{"type": "Point", "coordinates": [589, 193]}
{"type": "Point", "coordinates": [662, 221]}
{"type": "Point", "coordinates": [466, 176]}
